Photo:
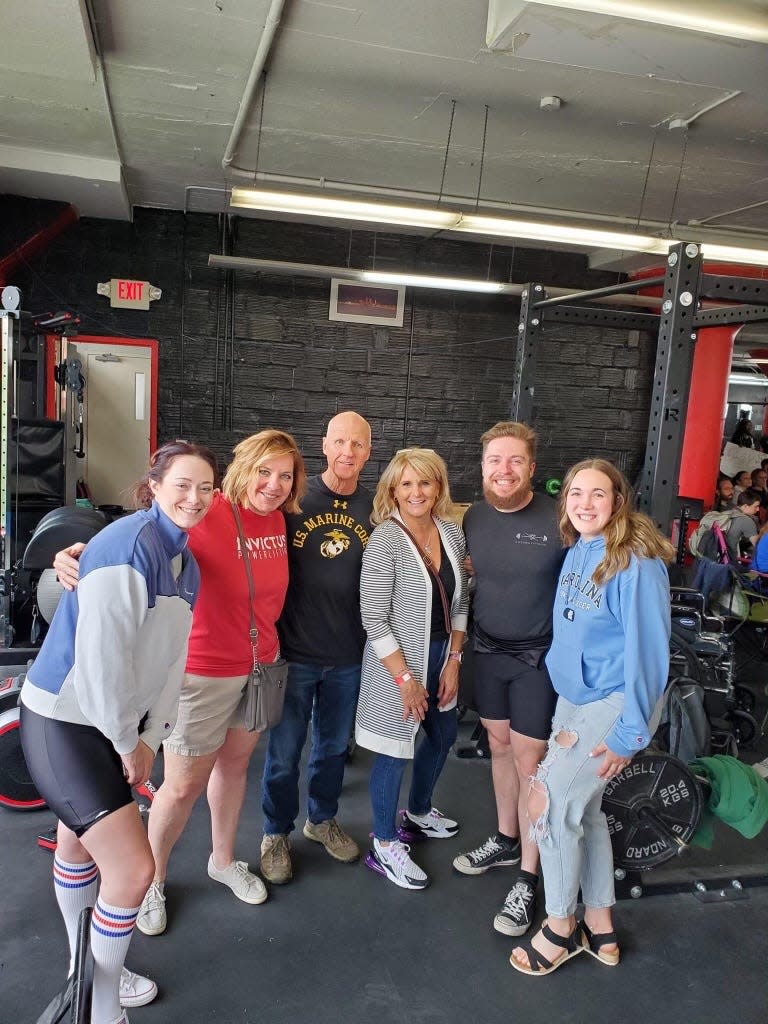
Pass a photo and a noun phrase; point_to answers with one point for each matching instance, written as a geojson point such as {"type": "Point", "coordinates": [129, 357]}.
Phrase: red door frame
{"type": "Point", "coordinates": [95, 339]}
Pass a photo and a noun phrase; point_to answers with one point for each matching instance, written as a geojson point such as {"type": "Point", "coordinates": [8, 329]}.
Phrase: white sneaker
{"type": "Point", "coordinates": [393, 861]}
{"type": "Point", "coordinates": [152, 919]}
{"type": "Point", "coordinates": [761, 768]}
{"type": "Point", "coordinates": [135, 990]}
{"type": "Point", "coordinates": [244, 884]}
{"type": "Point", "coordinates": [432, 825]}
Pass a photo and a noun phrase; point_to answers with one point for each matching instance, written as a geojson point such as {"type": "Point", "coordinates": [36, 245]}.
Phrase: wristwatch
{"type": "Point", "coordinates": [455, 656]}
{"type": "Point", "coordinates": [404, 677]}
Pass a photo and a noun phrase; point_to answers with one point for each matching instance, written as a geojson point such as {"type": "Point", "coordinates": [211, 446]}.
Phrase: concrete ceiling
{"type": "Point", "coordinates": [110, 104]}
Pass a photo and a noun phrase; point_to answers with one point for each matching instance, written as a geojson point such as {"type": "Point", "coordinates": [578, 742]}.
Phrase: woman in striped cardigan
{"type": "Point", "coordinates": [413, 599]}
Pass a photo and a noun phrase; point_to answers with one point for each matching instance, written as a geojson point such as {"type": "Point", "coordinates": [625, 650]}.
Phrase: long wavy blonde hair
{"type": "Point", "coordinates": [428, 464]}
{"type": "Point", "coordinates": [626, 533]}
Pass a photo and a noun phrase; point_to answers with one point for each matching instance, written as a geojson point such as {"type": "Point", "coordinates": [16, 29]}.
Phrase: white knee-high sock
{"type": "Point", "coordinates": [111, 931]}
{"type": "Point", "coordinates": [76, 886]}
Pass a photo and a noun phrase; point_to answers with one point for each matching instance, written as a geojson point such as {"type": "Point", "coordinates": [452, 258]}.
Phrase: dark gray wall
{"type": "Point", "coordinates": [251, 351]}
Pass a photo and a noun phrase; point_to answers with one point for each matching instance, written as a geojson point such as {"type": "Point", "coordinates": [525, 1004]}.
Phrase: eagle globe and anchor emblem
{"type": "Point", "coordinates": [337, 542]}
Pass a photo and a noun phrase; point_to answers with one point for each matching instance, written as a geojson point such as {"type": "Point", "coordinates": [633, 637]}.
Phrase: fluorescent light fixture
{"type": "Point", "coordinates": [220, 262]}
{"type": "Point", "coordinates": [456, 222]}
{"type": "Point", "coordinates": [421, 281]}
{"type": "Point", "coordinates": [734, 254]}
{"type": "Point", "coordinates": [748, 379]}
{"type": "Point", "coordinates": [735, 20]}
{"type": "Point", "coordinates": [342, 209]}
{"type": "Point", "coordinates": [502, 227]}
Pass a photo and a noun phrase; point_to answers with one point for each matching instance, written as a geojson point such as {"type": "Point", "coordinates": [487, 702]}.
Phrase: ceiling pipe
{"type": "Point", "coordinates": [38, 243]}
{"type": "Point", "coordinates": [259, 63]}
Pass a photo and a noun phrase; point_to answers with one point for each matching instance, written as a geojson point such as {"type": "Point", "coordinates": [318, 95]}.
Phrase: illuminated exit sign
{"type": "Point", "coordinates": [126, 294]}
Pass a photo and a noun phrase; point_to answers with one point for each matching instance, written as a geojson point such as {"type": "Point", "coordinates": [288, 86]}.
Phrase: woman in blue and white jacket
{"type": "Point", "coordinates": [608, 663]}
{"type": "Point", "coordinates": [101, 695]}
{"type": "Point", "coordinates": [413, 600]}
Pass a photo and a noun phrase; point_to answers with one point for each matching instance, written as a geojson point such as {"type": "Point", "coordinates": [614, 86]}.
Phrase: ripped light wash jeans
{"type": "Point", "coordinates": [572, 832]}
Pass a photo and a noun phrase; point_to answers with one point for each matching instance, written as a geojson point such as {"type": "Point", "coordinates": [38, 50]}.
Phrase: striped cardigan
{"type": "Point", "coordinates": [396, 607]}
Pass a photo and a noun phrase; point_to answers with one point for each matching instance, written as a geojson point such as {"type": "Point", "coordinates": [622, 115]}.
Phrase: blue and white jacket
{"type": "Point", "coordinates": [612, 637]}
{"type": "Point", "coordinates": [117, 645]}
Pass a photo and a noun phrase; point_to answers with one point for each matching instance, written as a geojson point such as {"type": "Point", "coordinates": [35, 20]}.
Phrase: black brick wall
{"type": "Point", "coordinates": [440, 380]}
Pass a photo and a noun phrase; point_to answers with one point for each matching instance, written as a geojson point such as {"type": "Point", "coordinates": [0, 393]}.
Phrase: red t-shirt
{"type": "Point", "coordinates": [219, 644]}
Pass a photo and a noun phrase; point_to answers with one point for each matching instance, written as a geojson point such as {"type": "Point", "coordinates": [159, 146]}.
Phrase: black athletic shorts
{"type": "Point", "coordinates": [76, 769]}
{"type": "Point", "coordinates": [507, 687]}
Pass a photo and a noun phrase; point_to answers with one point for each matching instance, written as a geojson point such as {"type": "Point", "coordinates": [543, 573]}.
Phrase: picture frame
{"type": "Point", "coordinates": [354, 302]}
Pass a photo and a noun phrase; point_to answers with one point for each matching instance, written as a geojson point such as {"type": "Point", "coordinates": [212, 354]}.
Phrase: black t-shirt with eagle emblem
{"type": "Point", "coordinates": [320, 623]}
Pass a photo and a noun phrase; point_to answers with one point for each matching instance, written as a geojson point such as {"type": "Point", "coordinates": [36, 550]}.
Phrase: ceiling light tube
{"type": "Point", "coordinates": [421, 281]}
{"type": "Point", "coordinates": [343, 209]}
{"type": "Point", "coordinates": [562, 233]}
{"type": "Point", "coordinates": [734, 254]}
{"type": "Point", "coordinates": [742, 22]}
{"type": "Point", "coordinates": [434, 218]}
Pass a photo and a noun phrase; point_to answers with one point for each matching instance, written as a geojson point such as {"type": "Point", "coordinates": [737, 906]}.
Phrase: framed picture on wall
{"type": "Point", "coordinates": [357, 303]}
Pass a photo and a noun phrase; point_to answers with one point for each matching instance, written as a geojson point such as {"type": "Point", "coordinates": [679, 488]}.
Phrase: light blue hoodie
{"type": "Point", "coordinates": [612, 637]}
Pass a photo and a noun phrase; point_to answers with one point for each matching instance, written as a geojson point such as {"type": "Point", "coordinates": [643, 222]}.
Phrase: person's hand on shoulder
{"type": "Point", "coordinates": [66, 564]}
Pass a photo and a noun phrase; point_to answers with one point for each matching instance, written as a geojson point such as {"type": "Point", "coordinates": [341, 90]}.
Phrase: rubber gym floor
{"type": "Point", "coordinates": [341, 944]}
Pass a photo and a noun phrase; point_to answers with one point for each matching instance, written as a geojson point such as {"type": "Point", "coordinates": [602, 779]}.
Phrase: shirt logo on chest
{"type": "Point", "coordinates": [336, 543]}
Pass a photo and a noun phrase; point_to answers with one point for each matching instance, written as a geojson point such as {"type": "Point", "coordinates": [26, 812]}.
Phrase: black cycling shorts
{"type": "Point", "coordinates": [76, 769]}
{"type": "Point", "coordinates": [507, 687]}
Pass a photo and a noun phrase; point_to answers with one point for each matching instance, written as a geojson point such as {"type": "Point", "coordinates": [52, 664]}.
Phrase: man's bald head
{"type": "Point", "coordinates": [347, 447]}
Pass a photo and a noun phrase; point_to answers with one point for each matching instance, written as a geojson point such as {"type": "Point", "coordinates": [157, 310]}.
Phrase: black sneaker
{"type": "Point", "coordinates": [490, 854]}
{"type": "Point", "coordinates": [519, 910]}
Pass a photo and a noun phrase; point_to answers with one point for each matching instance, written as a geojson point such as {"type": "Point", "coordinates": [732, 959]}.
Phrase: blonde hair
{"type": "Point", "coordinates": [627, 532]}
{"type": "Point", "coordinates": [252, 453]}
{"type": "Point", "coordinates": [424, 461]}
{"type": "Point", "coordinates": [509, 428]}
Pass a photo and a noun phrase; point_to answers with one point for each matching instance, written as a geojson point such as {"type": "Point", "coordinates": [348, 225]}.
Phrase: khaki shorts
{"type": "Point", "coordinates": [208, 706]}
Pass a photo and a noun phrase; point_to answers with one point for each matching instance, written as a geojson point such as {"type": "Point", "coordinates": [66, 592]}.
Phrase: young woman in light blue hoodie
{"type": "Point", "coordinates": [608, 663]}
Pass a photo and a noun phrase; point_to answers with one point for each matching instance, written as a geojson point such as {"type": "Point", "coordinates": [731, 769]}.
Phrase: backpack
{"type": "Point", "coordinates": [708, 539]}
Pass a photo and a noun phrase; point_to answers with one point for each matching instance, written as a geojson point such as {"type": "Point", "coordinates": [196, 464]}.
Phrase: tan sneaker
{"type": "Point", "coordinates": [276, 859]}
{"type": "Point", "coordinates": [334, 839]}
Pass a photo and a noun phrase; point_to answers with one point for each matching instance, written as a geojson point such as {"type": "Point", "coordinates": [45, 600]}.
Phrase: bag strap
{"type": "Point", "coordinates": [433, 572]}
{"type": "Point", "coordinates": [253, 632]}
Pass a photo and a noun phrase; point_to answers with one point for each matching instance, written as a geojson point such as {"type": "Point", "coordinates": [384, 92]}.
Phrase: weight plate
{"type": "Point", "coordinates": [17, 791]}
{"type": "Point", "coordinates": [652, 784]}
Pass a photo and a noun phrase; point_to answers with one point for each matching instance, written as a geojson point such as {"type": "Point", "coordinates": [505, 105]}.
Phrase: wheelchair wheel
{"type": "Point", "coordinates": [17, 790]}
{"type": "Point", "coordinates": [743, 726]}
{"type": "Point", "coordinates": [745, 699]}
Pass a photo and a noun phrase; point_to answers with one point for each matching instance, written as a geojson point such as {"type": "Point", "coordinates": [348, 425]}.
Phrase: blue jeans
{"type": "Point", "coordinates": [439, 734]}
{"type": "Point", "coordinates": [572, 832]}
{"type": "Point", "coordinates": [328, 696]}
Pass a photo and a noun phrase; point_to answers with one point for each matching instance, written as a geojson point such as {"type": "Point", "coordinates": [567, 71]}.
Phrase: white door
{"type": "Point", "coordinates": [117, 420]}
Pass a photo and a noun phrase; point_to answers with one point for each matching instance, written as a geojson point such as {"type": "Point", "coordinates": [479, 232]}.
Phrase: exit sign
{"type": "Point", "coordinates": [124, 293]}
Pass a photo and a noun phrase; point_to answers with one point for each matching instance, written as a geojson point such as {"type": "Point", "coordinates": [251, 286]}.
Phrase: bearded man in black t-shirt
{"type": "Point", "coordinates": [322, 637]}
{"type": "Point", "coordinates": [515, 551]}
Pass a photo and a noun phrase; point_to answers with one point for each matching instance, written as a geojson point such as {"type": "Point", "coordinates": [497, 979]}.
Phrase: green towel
{"type": "Point", "coordinates": [738, 797]}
